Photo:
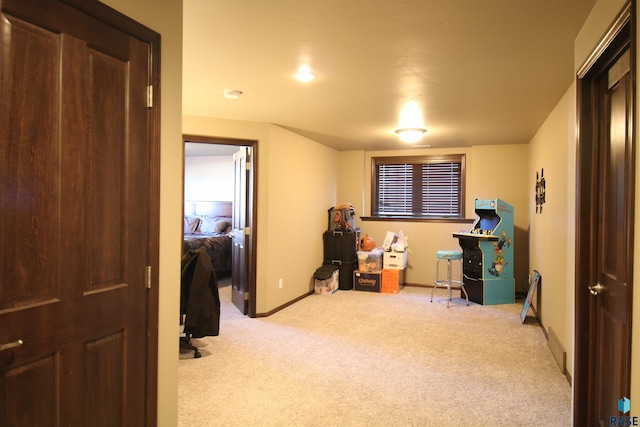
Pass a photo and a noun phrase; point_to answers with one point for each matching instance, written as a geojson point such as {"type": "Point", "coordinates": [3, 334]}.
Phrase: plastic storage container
{"type": "Point", "coordinates": [370, 261]}
{"type": "Point", "coordinates": [326, 279]}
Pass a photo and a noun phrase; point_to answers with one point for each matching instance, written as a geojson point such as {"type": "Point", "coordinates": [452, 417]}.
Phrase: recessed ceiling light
{"type": "Point", "coordinates": [232, 94]}
{"type": "Point", "coordinates": [304, 74]}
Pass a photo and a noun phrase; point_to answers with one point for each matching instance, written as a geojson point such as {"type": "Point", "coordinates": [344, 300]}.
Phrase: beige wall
{"type": "Point", "coordinates": [351, 175]}
{"type": "Point", "coordinates": [496, 171]}
{"type": "Point", "coordinates": [297, 181]}
{"type": "Point", "coordinates": [166, 19]}
{"type": "Point", "coordinates": [500, 171]}
{"type": "Point", "coordinates": [301, 188]}
{"type": "Point", "coordinates": [552, 235]}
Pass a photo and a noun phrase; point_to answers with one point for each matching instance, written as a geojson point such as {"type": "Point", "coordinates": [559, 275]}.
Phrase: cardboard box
{"type": "Point", "coordinates": [392, 281]}
{"type": "Point", "coordinates": [395, 260]}
{"type": "Point", "coordinates": [367, 281]}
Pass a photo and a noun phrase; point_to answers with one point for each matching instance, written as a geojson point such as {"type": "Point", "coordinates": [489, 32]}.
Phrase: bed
{"type": "Point", "coordinates": [209, 224]}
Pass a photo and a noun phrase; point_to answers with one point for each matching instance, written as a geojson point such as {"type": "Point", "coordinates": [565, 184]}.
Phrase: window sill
{"type": "Point", "coordinates": [415, 219]}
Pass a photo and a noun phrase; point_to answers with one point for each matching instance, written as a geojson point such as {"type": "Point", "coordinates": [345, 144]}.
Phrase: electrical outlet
{"type": "Point", "coordinates": [280, 284]}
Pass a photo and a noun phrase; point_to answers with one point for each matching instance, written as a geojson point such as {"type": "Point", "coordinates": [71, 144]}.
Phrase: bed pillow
{"type": "Point", "coordinates": [191, 224]}
{"type": "Point", "coordinates": [224, 225]}
{"type": "Point", "coordinates": [214, 225]}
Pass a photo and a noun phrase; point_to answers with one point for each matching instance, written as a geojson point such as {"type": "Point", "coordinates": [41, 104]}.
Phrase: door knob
{"type": "Point", "coordinates": [9, 345]}
{"type": "Point", "coordinates": [596, 289]}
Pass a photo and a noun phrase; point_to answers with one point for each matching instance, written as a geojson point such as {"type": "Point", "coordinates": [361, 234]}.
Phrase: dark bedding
{"type": "Point", "coordinates": [218, 248]}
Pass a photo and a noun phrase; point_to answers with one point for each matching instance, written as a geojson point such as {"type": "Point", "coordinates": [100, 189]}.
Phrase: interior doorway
{"type": "Point", "coordinates": [236, 186]}
{"type": "Point", "coordinates": [605, 190]}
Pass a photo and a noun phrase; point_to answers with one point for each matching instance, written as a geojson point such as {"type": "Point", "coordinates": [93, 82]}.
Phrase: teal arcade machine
{"type": "Point", "coordinates": [487, 254]}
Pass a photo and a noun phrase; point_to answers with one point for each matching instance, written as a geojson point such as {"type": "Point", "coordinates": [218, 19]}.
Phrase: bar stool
{"type": "Point", "coordinates": [449, 256]}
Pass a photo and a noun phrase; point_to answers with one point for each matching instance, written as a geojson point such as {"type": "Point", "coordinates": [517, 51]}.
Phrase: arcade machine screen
{"type": "Point", "coordinates": [488, 220]}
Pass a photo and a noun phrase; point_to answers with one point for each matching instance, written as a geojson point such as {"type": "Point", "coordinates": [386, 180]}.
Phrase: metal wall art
{"type": "Point", "coordinates": [540, 190]}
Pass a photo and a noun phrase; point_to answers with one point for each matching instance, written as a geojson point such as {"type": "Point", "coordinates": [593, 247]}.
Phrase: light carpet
{"type": "Point", "coordinates": [369, 359]}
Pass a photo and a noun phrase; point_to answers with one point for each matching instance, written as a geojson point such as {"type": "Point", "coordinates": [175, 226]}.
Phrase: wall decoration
{"type": "Point", "coordinates": [540, 190]}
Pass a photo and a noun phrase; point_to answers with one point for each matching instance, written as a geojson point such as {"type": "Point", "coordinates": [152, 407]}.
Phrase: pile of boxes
{"type": "Point", "coordinates": [375, 270]}
{"type": "Point", "coordinates": [380, 271]}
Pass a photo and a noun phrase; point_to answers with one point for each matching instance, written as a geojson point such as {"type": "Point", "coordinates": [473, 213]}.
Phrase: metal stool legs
{"type": "Point", "coordinates": [448, 256]}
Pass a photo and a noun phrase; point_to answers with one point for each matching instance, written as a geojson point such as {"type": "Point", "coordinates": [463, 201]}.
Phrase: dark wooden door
{"type": "Point", "coordinates": [605, 239]}
{"type": "Point", "coordinates": [611, 292]}
{"type": "Point", "coordinates": [74, 218]}
{"type": "Point", "coordinates": [239, 273]}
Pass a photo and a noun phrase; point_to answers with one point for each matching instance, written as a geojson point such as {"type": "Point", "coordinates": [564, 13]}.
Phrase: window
{"type": "Point", "coordinates": [420, 187]}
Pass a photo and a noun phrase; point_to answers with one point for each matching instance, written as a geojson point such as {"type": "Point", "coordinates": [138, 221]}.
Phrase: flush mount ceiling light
{"type": "Point", "coordinates": [304, 74]}
{"type": "Point", "coordinates": [410, 135]}
{"type": "Point", "coordinates": [411, 126]}
{"type": "Point", "coordinates": [232, 94]}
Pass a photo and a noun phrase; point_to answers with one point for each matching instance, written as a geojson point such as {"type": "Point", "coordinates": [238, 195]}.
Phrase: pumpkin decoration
{"type": "Point", "coordinates": [367, 243]}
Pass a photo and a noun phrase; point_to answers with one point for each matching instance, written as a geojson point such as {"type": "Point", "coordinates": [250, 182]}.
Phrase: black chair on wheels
{"type": "Point", "coordinates": [185, 342]}
{"type": "Point", "coordinates": [199, 299]}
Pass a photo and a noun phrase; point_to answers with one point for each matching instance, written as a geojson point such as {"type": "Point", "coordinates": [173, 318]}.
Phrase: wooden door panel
{"type": "Point", "coordinates": [35, 382]}
{"type": "Point", "coordinates": [612, 196]}
{"type": "Point", "coordinates": [104, 370]}
{"type": "Point", "coordinates": [29, 172]}
{"type": "Point", "coordinates": [609, 376]}
{"type": "Point", "coordinates": [107, 92]}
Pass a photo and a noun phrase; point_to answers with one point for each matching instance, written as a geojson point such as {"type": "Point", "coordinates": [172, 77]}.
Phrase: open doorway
{"type": "Point", "coordinates": [219, 200]}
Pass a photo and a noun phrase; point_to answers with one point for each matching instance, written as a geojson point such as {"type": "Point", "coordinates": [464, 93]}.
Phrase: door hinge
{"type": "Point", "coordinates": [148, 278]}
{"type": "Point", "coordinates": [247, 231]}
{"type": "Point", "coordinates": [246, 296]}
{"type": "Point", "coordinates": [150, 96]}
{"type": "Point", "coordinates": [248, 166]}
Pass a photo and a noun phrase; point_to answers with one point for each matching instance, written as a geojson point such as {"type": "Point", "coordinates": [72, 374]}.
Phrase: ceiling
{"type": "Point", "coordinates": [481, 72]}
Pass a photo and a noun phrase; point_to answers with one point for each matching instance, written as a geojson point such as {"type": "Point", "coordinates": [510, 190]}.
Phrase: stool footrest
{"type": "Point", "coordinates": [446, 283]}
